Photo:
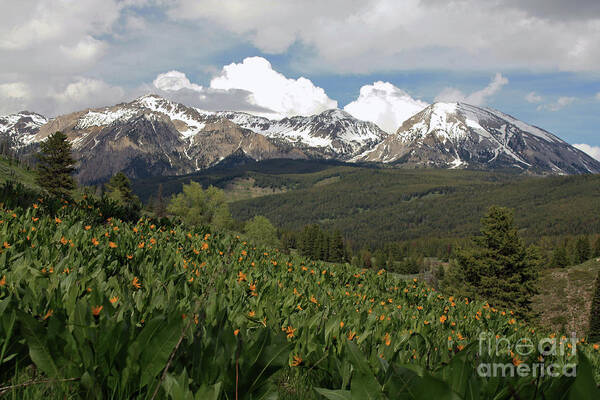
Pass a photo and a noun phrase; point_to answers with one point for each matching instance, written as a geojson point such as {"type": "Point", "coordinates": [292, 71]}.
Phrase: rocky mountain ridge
{"type": "Point", "coordinates": [152, 136]}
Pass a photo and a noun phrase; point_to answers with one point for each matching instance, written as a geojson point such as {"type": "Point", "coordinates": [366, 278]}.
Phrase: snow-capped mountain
{"type": "Point", "coordinates": [334, 132]}
{"type": "Point", "coordinates": [452, 135]}
{"type": "Point", "coordinates": [154, 136]}
{"type": "Point", "coordinates": [20, 129]}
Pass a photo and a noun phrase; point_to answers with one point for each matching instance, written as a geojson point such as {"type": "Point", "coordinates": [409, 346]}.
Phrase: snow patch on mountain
{"type": "Point", "coordinates": [21, 128]}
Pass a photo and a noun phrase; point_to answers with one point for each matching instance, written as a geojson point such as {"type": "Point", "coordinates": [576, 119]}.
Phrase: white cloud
{"type": "Point", "coordinates": [480, 97]}
{"type": "Point", "coordinates": [252, 85]}
{"type": "Point", "coordinates": [86, 93]}
{"type": "Point", "coordinates": [272, 90]}
{"type": "Point", "coordinates": [533, 97]}
{"type": "Point", "coordinates": [384, 104]}
{"type": "Point", "coordinates": [87, 49]}
{"type": "Point", "coordinates": [559, 104]}
{"type": "Point", "coordinates": [408, 34]}
{"type": "Point", "coordinates": [477, 98]}
{"type": "Point", "coordinates": [14, 90]}
{"type": "Point", "coordinates": [33, 24]}
{"type": "Point", "coordinates": [593, 151]}
{"type": "Point", "coordinates": [174, 80]}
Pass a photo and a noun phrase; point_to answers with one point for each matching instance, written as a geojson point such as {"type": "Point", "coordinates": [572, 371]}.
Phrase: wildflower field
{"type": "Point", "coordinates": [119, 310]}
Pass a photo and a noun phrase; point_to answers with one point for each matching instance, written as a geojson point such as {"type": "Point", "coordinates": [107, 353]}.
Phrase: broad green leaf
{"type": "Point", "coordinates": [334, 394]}
{"type": "Point", "coordinates": [38, 350]}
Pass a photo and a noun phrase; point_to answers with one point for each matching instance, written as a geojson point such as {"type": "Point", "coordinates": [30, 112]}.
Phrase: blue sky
{"type": "Point", "coordinates": [538, 61]}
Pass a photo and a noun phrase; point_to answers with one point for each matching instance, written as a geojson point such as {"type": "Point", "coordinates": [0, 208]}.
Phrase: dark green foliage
{"type": "Point", "coordinates": [56, 166]}
{"type": "Point", "coordinates": [583, 251]}
{"type": "Point", "coordinates": [15, 194]}
{"type": "Point", "coordinates": [560, 258]}
{"type": "Point", "coordinates": [316, 243]}
{"type": "Point", "coordinates": [378, 206]}
{"type": "Point", "coordinates": [408, 266]}
{"type": "Point", "coordinates": [336, 247]}
{"type": "Point", "coordinates": [597, 247]}
{"type": "Point", "coordinates": [594, 330]}
{"type": "Point", "coordinates": [498, 269]}
{"type": "Point", "coordinates": [118, 190]}
{"type": "Point", "coordinates": [409, 213]}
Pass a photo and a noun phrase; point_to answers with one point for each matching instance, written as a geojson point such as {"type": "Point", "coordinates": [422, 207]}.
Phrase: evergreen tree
{"type": "Point", "coordinates": [119, 190]}
{"type": "Point", "coordinates": [559, 257]}
{"type": "Point", "coordinates": [56, 166]}
{"type": "Point", "coordinates": [583, 251]}
{"type": "Point", "coordinates": [336, 247]}
{"type": "Point", "coordinates": [594, 329]}
{"type": "Point", "coordinates": [288, 241]}
{"type": "Point", "coordinates": [499, 268]}
{"type": "Point", "coordinates": [597, 247]}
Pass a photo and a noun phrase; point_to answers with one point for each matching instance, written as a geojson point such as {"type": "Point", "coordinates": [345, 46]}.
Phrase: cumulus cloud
{"type": "Point", "coordinates": [477, 98]}
{"type": "Point", "coordinates": [252, 85]}
{"type": "Point", "coordinates": [174, 80]}
{"type": "Point", "coordinates": [533, 97]}
{"type": "Point", "coordinates": [559, 104]}
{"type": "Point", "coordinates": [593, 151]}
{"type": "Point", "coordinates": [272, 90]}
{"type": "Point", "coordinates": [384, 104]}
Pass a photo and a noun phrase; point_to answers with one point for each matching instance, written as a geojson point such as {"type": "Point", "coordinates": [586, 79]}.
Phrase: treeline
{"type": "Point", "coordinates": [406, 257]}
{"type": "Point", "coordinates": [316, 243]}
{"type": "Point", "coordinates": [575, 250]}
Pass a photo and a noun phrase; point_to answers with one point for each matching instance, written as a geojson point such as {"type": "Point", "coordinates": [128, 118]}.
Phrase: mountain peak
{"type": "Point", "coordinates": [452, 135]}
{"type": "Point", "coordinates": [336, 113]}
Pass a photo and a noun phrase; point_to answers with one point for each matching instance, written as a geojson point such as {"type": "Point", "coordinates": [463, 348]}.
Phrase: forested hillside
{"type": "Point", "coordinates": [374, 205]}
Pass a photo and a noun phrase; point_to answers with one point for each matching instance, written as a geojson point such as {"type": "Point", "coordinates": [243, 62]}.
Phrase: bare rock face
{"type": "Point", "coordinates": [458, 135]}
{"type": "Point", "coordinates": [222, 138]}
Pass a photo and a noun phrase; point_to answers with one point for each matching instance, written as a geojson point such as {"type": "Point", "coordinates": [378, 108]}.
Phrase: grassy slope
{"type": "Point", "coordinates": [15, 172]}
{"type": "Point", "coordinates": [565, 297]}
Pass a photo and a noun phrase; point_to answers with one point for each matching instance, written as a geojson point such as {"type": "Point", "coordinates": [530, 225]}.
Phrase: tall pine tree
{"type": "Point", "coordinates": [583, 250]}
{"type": "Point", "coordinates": [499, 268]}
{"type": "Point", "coordinates": [119, 190]}
{"type": "Point", "coordinates": [336, 247]}
{"type": "Point", "coordinates": [56, 166]}
{"type": "Point", "coordinates": [560, 258]}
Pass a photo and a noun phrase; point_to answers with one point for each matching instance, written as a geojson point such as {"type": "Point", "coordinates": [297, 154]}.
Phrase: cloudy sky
{"type": "Point", "coordinates": [380, 60]}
